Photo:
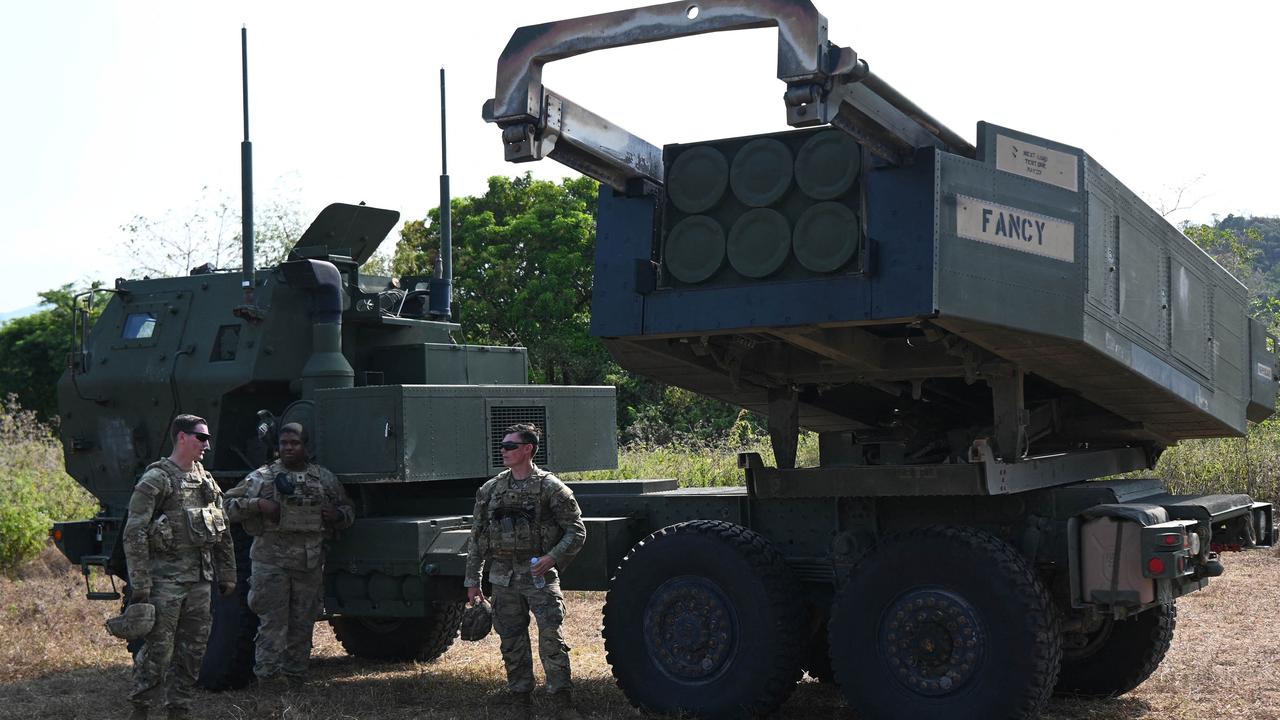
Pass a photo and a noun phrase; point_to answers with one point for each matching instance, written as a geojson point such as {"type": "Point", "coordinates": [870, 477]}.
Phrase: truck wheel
{"type": "Point", "coordinates": [228, 657]}
{"type": "Point", "coordinates": [1119, 656]}
{"type": "Point", "coordinates": [944, 622]}
{"type": "Point", "coordinates": [400, 639]}
{"type": "Point", "coordinates": [703, 618]}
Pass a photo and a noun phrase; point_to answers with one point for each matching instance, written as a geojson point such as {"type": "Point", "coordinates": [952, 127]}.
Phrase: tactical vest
{"type": "Point", "coordinates": [515, 526]}
{"type": "Point", "coordinates": [300, 506]}
{"type": "Point", "coordinates": [301, 498]}
{"type": "Point", "coordinates": [190, 515]}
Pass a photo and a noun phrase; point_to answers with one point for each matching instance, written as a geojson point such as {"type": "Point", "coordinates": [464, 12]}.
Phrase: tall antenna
{"type": "Point", "coordinates": [442, 284]}
{"type": "Point", "coordinates": [246, 178]}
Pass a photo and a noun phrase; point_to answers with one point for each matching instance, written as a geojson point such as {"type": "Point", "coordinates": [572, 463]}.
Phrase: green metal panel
{"type": "Point", "coordinates": [608, 539]}
{"type": "Point", "coordinates": [1189, 321]}
{"type": "Point", "coordinates": [449, 364]}
{"type": "Point", "coordinates": [384, 567]}
{"type": "Point", "coordinates": [1143, 293]}
{"type": "Point", "coordinates": [444, 432]}
{"type": "Point", "coordinates": [1228, 342]}
{"type": "Point", "coordinates": [993, 264]}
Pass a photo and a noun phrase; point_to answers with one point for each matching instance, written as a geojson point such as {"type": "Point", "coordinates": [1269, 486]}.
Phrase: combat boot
{"type": "Point", "coordinates": [562, 702]}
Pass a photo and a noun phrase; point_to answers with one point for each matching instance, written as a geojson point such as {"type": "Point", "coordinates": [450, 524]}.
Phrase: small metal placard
{"type": "Point", "coordinates": [1264, 372]}
{"type": "Point", "coordinates": [1038, 163]}
{"type": "Point", "coordinates": [1015, 229]}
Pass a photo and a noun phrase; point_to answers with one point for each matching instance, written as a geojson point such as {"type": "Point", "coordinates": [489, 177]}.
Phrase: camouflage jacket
{"type": "Point", "coordinates": [176, 530]}
{"type": "Point", "coordinates": [295, 541]}
{"type": "Point", "coordinates": [515, 520]}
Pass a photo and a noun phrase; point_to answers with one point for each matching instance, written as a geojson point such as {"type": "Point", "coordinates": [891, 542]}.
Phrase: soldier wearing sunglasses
{"type": "Point", "coordinates": [176, 544]}
{"type": "Point", "coordinates": [526, 524]}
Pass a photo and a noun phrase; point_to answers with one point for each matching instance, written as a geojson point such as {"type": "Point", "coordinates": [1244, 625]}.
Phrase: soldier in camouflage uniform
{"type": "Point", "coordinates": [176, 542]}
{"type": "Point", "coordinates": [290, 507]}
{"type": "Point", "coordinates": [522, 513]}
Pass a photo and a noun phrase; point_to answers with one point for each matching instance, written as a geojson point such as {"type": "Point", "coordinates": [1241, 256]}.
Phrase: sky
{"type": "Point", "coordinates": [119, 109]}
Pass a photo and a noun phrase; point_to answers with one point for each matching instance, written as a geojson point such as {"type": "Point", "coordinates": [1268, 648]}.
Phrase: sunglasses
{"type": "Point", "coordinates": [202, 437]}
{"type": "Point", "coordinates": [508, 445]}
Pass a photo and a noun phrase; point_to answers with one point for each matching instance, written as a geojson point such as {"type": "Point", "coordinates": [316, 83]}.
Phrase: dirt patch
{"type": "Point", "coordinates": [56, 660]}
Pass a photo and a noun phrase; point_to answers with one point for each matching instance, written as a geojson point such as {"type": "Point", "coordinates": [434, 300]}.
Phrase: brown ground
{"type": "Point", "coordinates": [57, 661]}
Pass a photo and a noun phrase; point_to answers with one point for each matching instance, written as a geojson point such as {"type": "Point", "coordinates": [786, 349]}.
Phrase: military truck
{"type": "Point", "coordinates": [976, 333]}
{"type": "Point", "coordinates": [973, 331]}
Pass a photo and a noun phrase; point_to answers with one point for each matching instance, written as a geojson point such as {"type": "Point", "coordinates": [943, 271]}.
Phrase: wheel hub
{"type": "Point", "coordinates": [689, 628]}
{"type": "Point", "coordinates": [932, 640]}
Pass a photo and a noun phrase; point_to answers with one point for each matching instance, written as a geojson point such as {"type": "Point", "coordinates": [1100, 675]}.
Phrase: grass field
{"type": "Point", "coordinates": [56, 661]}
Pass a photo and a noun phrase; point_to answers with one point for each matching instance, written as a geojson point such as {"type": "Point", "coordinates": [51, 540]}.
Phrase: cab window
{"type": "Point", "coordinates": [138, 326]}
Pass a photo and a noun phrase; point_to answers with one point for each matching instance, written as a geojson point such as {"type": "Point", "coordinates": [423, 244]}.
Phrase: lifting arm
{"type": "Point", "coordinates": [826, 83]}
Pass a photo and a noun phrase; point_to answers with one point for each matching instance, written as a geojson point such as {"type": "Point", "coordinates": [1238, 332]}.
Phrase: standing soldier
{"type": "Point", "coordinates": [290, 507]}
{"type": "Point", "coordinates": [176, 542]}
{"type": "Point", "coordinates": [526, 521]}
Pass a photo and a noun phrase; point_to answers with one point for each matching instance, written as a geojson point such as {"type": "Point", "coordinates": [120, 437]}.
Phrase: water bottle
{"type": "Point", "coordinates": [539, 581]}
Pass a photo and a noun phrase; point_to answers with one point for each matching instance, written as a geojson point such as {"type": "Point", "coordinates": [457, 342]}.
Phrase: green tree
{"type": "Point", "coordinates": [33, 351]}
{"type": "Point", "coordinates": [1240, 250]}
{"type": "Point", "coordinates": [522, 267]}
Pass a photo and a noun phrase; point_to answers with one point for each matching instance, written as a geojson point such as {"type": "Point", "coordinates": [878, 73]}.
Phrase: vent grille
{"type": "Point", "coordinates": [503, 417]}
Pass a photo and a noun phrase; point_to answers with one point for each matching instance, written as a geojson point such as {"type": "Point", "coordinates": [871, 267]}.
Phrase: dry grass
{"type": "Point", "coordinates": [57, 661]}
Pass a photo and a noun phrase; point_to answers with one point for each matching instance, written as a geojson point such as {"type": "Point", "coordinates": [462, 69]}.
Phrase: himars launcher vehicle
{"type": "Point", "coordinates": [974, 332]}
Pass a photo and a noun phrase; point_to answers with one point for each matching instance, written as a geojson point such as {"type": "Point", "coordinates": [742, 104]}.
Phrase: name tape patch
{"type": "Point", "coordinates": [1015, 229]}
{"type": "Point", "coordinates": [1038, 163]}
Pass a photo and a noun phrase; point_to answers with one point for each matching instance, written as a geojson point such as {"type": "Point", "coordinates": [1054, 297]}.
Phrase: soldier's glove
{"type": "Point", "coordinates": [226, 587]}
{"type": "Point", "coordinates": [138, 595]}
{"type": "Point", "coordinates": [329, 514]}
{"type": "Point", "coordinates": [269, 508]}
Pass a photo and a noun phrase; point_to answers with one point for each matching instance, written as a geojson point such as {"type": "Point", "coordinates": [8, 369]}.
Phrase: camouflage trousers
{"type": "Point", "coordinates": [174, 649]}
{"type": "Point", "coordinates": [511, 608]}
{"type": "Point", "coordinates": [287, 603]}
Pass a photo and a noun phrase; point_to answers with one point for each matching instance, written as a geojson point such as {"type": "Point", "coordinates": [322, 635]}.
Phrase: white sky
{"type": "Point", "coordinates": [114, 109]}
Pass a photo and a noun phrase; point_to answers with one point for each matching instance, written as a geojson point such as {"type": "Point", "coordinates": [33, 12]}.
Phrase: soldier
{"type": "Point", "coordinates": [290, 507]}
{"type": "Point", "coordinates": [176, 542]}
{"type": "Point", "coordinates": [526, 522]}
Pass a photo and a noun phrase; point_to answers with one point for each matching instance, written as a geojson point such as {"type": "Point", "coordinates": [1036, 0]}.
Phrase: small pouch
{"type": "Point", "coordinates": [206, 524]}
{"type": "Point", "coordinates": [300, 518]}
{"type": "Point", "coordinates": [160, 534]}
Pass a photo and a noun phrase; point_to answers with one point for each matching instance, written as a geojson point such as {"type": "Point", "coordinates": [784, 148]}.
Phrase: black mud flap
{"type": "Point", "coordinates": [1237, 522]}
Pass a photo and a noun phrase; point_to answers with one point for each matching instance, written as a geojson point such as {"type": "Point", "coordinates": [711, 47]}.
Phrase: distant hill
{"type": "Point", "coordinates": [20, 312]}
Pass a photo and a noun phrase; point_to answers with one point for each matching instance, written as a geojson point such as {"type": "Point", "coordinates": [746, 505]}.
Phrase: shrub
{"type": "Point", "coordinates": [1249, 465]}
{"type": "Point", "coordinates": [35, 492]}
{"type": "Point", "coordinates": [698, 462]}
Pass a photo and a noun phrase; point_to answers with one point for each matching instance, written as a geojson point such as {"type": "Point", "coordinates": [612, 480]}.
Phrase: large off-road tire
{"type": "Point", "coordinates": [1119, 656]}
{"type": "Point", "coordinates": [703, 618]}
{"type": "Point", "coordinates": [400, 639]}
{"type": "Point", "coordinates": [944, 622]}
{"type": "Point", "coordinates": [228, 658]}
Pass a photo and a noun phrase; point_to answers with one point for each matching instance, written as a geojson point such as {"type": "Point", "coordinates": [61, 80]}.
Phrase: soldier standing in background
{"type": "Point", "coordinates": [526, 522]}
{"type": "Point", "coordinates": [290, 507]}
{"type": "Point", "coordinates": [176, 542]}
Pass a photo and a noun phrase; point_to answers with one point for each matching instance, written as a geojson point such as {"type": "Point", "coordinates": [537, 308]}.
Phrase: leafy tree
{"type": "Point", "coordinates": [1240, 250]}
{"type": "Point", "coordinates": [33, 351]}
{"type": "Point", "coordinates": [522, 268]}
